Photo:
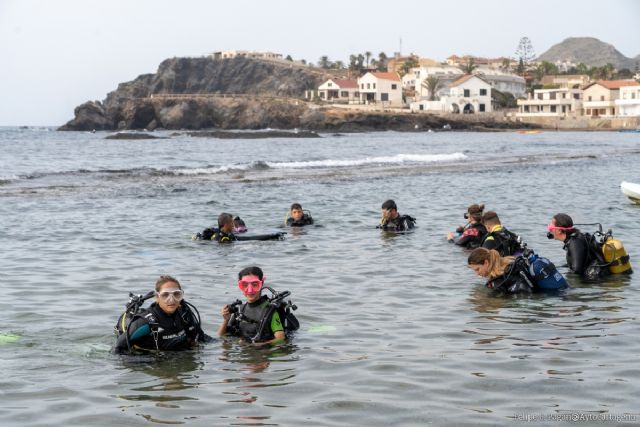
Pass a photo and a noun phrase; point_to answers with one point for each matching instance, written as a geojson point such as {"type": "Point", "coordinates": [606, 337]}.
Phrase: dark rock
{"type": "Point", "coordinates": [133, 135]}
{"type": "Point", "coordinates": [89, 116]}
{"type": "Point", "coordinates": [254, 135]}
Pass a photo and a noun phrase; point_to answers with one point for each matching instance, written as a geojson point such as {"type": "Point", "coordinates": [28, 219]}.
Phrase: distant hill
{"type": "Point", "coordinates": [590, 51]}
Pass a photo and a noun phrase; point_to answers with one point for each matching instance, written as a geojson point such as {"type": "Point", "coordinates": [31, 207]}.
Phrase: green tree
{"type": "Point", "coordinates": [289, 58]}
{"type": "Point", "coordinates": [408, 65]}
{"type": "Point", "coordinates": [324, 62]}
{"type": "Point", "coordinates": [383, 60]}
{"type": "Point", "coordinates": [338, 65]}
{"type": "Point", "coordinates": [368, 56]}
{"type": "Point", "coordinates": [521, 68]}
{"type": "Point", "coordinates": [525, 52]}
{"type": "Point", "coordinates": [432, 84]}
{"type": "Point", "coordinates": [506, 64]}
{"type": "Point", "coordinates": [582, 69]}
{"type": "Point", "coordinates": [548, 68]}
{"type": "Point", "coordinates": [469, 66]}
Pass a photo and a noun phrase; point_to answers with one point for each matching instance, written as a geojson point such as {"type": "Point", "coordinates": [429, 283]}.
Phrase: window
{"type": "Point", "coordinates": [526, 108]}
{"type": "Point", "coordinates": [394, 86]}
{"type": "Point", "coordinates": [330, 84]}
{"type": "Point", "coordinates": [368, 85]}
{"type": "Point", "coordinates": [483, 92]}
{"type": "Point", "coordinates": [633, 95]}
{"type": "Point", "coordinates": [539, 96]}
{"type": "Point", "coordinates": [552, 95]}
{"type": "Point", "coordinates": [344, 94]}
{"type": "Point", "coordinates": [481, 105]}
{"type": "Point", "coordinates": [467, 93]}
{"type": "Point", "coordinates": [589, 97]}
{"type": "Point", "coordinates": [564, 109]}
{"type": "Point", "coordinates": [421, 107]}
{"type": "Point", "coordinates": [374, 85]}
{"type": "Point", "coordinates": [553, 108]}
{"type": "Point", "coordinates": [361, 85]}
{"type": "Point", "coordinates": [357, 94]}
{"type": "Point", "coordinates": [564, 95]}
{"type": "Point", "coordinates": [576, 96]}
{"type": "Point", "coordinates": [384, 97]}
{"type": "Point", "coordinates": [601, 97]}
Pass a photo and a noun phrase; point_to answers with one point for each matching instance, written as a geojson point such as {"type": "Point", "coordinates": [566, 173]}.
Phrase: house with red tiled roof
{"type": "Point", "coordinates": [599, 98]}
{"type": "Point", "coordinates": [381, 88]}
{"type": "Point", "coordinates": [339, 90]}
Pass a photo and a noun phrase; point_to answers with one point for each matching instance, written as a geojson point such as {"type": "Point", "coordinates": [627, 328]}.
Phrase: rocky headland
{"type": "Point", "coordinates": [244, 93]}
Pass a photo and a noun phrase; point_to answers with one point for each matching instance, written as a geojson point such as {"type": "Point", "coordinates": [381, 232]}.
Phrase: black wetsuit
{"type": "Point", "coordinates": [472, 236]}
{"type": "Point", "coordinates": [503, 241]}
{"type": "Point", "coordinates": [223, 237]}
{"type": "Point", "coordinates": [305, 220]}
{"type": "Point", "coordinates": [152, 329]}
{"type": "Point", "coordinates": [400, 223]}
{"type": "Point", "coordinates": [580, 254]}
{"type": "Point", "coordinates": [515, 280]}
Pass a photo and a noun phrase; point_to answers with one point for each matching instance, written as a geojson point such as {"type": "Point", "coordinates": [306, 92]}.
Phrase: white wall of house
{"type": "Point", "coordinates": [445, 73]}
{"type": "Point", "coordinates": [379, 90]}
{"type": "Point", "coordinates": [333, 91]}
{"type": "Point", "coordinates": [599, 101]}
{"type": "Point", "coordinates": [551, 103]}
{"type": "Point", "coordinates": [471, 96]}
{"type": "Point", "coordinates": [628, 104]}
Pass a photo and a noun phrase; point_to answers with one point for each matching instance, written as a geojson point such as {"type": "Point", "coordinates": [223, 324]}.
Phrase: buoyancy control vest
{"type": "Point", "coordinates": [529, 273]}
{"type": "Point", "coordinates": [503, 241]}
{"type": "Point", "coordinates": [400, 223]}
{"type": "Point", "coordinates": [596, 255]}
{"type": "Point", "coordinates": [151, 329]}
{"type": "Point", "coordinates": [253, 321]}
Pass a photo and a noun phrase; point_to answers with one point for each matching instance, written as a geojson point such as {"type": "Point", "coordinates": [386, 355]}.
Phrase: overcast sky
{"type": "Point", "coordinates": [57, 54]}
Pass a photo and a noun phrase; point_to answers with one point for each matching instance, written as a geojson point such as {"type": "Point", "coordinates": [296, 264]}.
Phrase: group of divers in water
{"type": "Point", "coordinates": [171, 323]}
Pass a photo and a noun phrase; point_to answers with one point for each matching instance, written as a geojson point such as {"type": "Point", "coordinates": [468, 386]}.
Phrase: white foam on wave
{"type": "Point", "coordinates": [397, 159]}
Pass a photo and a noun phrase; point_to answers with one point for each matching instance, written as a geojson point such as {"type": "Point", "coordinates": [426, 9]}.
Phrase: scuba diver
{"type": "Point", "coordinates": [592, 256]}
{"type": "Point", "coordinates": [515, 275]}
{"type": "Point", "coordinates": [297, 217]}
{"type": "Point", "coordinates": [392, 220]}
{"type": "Point", "coordinates": [227, 229]}
{"type": "Point", "coordinates": [170, 323]}
{"type": "Point", "coordinates": [261, 319]}
{"type": "Point", "coordinates": [471, 234]}
{"type": "Point", "coordinates": [499, 238]}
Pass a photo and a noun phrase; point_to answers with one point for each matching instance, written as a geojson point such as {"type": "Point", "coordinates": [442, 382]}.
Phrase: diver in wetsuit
{"type": "Point", "coordinates": [392, 220]}
{"type": "Point", "coordinates": [298, 217]}
{"type": "Point", "coordinates": [227, 229]}
{"type": "Point", "coordinates": [499, 238]}
{"type": "Point", "coordinates": [170, 323]}
{"type": "Point", "coordinates": [579, 253]}
{"type": "Point", "coordinates": [471, 234]}
{"type": "Point", "coordinates": [507, 275]}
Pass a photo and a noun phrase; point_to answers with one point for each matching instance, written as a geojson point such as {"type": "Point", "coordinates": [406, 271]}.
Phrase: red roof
{"type": "Point", "coordinates": [613, 84]}
{"type": "Point", "coordinates": [346, 83]}
{"type": "Point", "coordinates": [387, 76]}
{"type": "Point", "coordinates": [462, 80]}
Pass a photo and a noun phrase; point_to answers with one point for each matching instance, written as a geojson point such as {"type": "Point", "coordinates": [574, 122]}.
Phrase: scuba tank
{"type": "Point", "coordinates": [615, 255]}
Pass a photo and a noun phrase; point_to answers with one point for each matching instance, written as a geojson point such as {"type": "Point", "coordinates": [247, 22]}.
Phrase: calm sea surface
{"type": "Point", "coordinates": [396, 330]}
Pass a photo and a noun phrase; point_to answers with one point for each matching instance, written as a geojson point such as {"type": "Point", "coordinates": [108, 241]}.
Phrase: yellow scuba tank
{"type": "Point", "coordinates": [616, 256]}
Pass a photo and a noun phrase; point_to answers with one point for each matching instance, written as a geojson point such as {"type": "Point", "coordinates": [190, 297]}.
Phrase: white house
{"type": "Point", "coordinates": [503, 81]}
{"type": "Point", "coordinates": [629, 102]}
{"type": "Point", "coordinates": [446, 75]}
{"type": "Point", "coordinates": [560, 102]}
{"type": "Point", "coordinates": [599, 97]}
{"type": "Point", "coordinates": [468, 95]}
{"type": "Point", "coordinates": [379, 87]}
{"type": "Point", "coordinates": [339, 90]}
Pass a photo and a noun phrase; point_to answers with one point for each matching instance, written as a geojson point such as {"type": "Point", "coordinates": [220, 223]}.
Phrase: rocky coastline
{"type": "Point", "coordinates": [246, 94]}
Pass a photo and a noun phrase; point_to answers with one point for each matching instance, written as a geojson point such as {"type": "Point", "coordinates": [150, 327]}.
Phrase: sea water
{"type": "Point", "coordinates": [396, 329]}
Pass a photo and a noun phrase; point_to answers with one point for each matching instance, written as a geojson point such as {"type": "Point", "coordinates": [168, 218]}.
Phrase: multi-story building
{"type": "Point", "coordinates": [629, 102]}
{"type": "Point", "coordinates": [600, 97]}
{"type": "Point", "coordinates": [551, 103]}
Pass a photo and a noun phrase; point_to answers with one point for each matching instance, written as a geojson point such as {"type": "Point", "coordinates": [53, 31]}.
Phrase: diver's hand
{"type": "Point", "coordinates": [226, 313]}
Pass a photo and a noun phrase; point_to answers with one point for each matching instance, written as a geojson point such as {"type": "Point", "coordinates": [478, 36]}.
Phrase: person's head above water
{"type": "Point", "coordinates": [389, 210]}
{"type": "Point", "coordinates": [238, 225]}
{"type": "Point", "coordinates": [490, 219]}
{"type": "Point", "coordinates": [169, 293]}
{"type": "Point", "coordinates": [296, 211]}
{"type": "Point", "coordinates": [560, 226]}
{"type": "Point", "coordinates": [225, 222]}
{"type": "Point", "coordinates": [488, 262]}
{"type": "Point", "coordinates": [250, 281]}
{"type": "Point", "coordinates": [474, 213]}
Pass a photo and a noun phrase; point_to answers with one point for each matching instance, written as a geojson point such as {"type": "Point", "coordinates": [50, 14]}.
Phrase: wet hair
{"type": "Point", "coordinates": [389, 204]}
{"type": "Point", "coordinates": [563, 220]}
{"type": "Point", "coordinates": [490, 217]}
{"type": "Point", "coordinates": [497, 264]}
{"type": "Point", "coordinates": [251, 271]}
{"type": "Point", "coordinates": [224, 219]}
{"type": "Point", "coordinates": [475, 211]}
{"type": "Point", "coordinates": [296, 206]}
{"type": "Point", "coordinates": [166, 279]}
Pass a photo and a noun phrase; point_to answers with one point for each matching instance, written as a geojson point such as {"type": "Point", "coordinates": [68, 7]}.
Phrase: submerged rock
{"type": "Point", "coordinates": [133, 135]}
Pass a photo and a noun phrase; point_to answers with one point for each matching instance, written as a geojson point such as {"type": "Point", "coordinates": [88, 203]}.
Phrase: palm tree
{"type": "Point", "coordinates": [324, 62]}
{"type": "Point", "coordinates": [382, 61]}
{"type": "Point", "coordinates": [432, 84]}
{"type": "Point", "coordinates": [368, 56]}
{"type": "Point", "coordinates": [469, 66]}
